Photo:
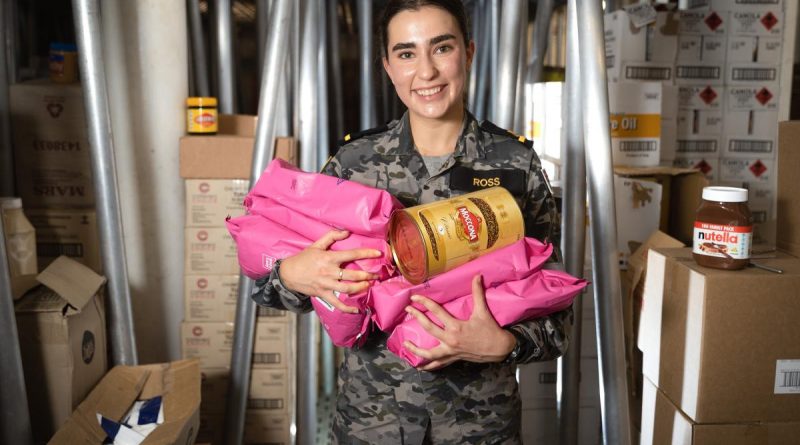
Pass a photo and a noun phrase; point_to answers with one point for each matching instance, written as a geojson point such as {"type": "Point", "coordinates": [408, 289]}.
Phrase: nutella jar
{"type": "Point", "coordinates": [723, 229]}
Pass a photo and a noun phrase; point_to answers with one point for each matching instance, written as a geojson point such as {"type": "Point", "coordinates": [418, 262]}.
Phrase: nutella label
{"type": "Point", "coordinates": [723, 241]}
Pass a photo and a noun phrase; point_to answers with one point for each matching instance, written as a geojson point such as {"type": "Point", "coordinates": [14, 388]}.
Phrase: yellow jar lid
{"type": "Point", "coordinates": [201, 102]}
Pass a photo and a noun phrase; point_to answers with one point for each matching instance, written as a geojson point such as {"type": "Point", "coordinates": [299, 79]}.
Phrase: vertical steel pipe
{"type": "Point", "coordinates": [477, 32]}
{"type": "Point", "coordinates": [226, 68]}
{"type": "Point", "coordinates": [483, 51]}
{"type": "Point", "coordinates": [6, 151]}
{"type": "Point", "coordinates": [573, 233]}
{"type": "Point", "coordinates": [494, 57]}
{"type": "Point", "coordinates": [199, 62]}
{"type": "Point", "coordinates": [508, 62]}
{"type": "Point", "coordinates": [263, 8]}
{"type": "Point", "coordinates": [336, 68]}
{"type": "Point", "coordinates": [614, 404]}
{"type": "Point", "coordinates": [541, 35]}
{"type": "Point", "coordinates": [15, 421]}
{"type": "Point", "coordinates": [104, 174]}
{"type": "Point", "coordinates": [518, 121]}
{"type": "Point", "coordinates": [367, 91]}
{"type": "Point", "coordinates": [263, 151]}
{"type": "Point", "coordinates": [10, 39]}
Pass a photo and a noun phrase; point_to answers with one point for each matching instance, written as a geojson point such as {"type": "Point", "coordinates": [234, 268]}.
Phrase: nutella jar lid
{"type": "Point", "coordinates": [725, 194]}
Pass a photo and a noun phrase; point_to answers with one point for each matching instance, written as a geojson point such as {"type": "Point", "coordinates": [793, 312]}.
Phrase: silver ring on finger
{"type": "Point", "coordinates": [341, 272]}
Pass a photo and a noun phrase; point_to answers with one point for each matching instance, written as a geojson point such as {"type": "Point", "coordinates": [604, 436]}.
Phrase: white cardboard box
{"type": "Point", "coordinates": [748, 171]}
{"type": "Point", "coordinates": [744, 5]}
{"type": "Point", "coordinates": [699, 145]}
{"type": "Point", "coordinates": [751, 97]}
{"type": "Point", "coordinates": [765, 22]}
{"type": "Point", "coordinates": [699, 122]}
{"type": "Point", "coordinates": [708, 166]}
{"type": "Point", "coordinates": [700, 72]}
{"type": "Point", "coordinates": [636, 114]}
{"type": "Point", "coordinates": [700, 96]}
{"type": "Point", "coordinates": [210, 250]}
{"type": "Point", "coordinates": [646, 53]}
{"type": "Point", "coordinates": [753, 49]}
{"type": "Point", "coordinates": [638, 205]}
{"type": "Point", "coordinates": [701, 48]}
{"type": "Point", "coordinates": [212, 297]}
{"type": "Point", "coordinates": [703, 22]}
{"type": "Point", "coordinates": [212, 342]}
{"type": "Point", "coordinates": [210, 201]}
{"type": "Point", "coordinates": [751, 133]}
{"type": "Point", "coordinates": [747, 73]}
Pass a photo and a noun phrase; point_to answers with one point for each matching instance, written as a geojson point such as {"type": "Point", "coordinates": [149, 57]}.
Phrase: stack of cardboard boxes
{"type": "Point", "coordinates": [53, 170]}
{"type": "Point", "coordinates": [216, 169]}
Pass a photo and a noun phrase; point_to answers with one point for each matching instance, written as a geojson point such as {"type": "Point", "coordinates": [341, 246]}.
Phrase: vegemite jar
{"type": "Point", "coordinates": [201, 115]}
{"type": "Point", "coordinates": [432, 238]}
{"type": "Point", "coordinates": [723, 229]}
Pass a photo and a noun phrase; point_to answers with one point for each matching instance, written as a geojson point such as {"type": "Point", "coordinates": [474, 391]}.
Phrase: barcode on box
{"type": "Point", "coordinates": [787, 377]}
{"type": "Point", "coordinates": [698, 72]}
{"type": "Point", "coordinates": [754, 74]}
{"type": "Point", "coordinates": [697, 146]}
{"type": "Point", "coordinates": [647, 73]}
{"type": "Point", "coordinates": [265, 403]}
{"type": "Point", "coordinates": [760, 147]}
{"type": "Point", "coordinates": [74, 250]}
{"type": "Point", "coordinates": [638, 146]}
{"type": "Point", "coordinates": [692, 4]}
{"type": "Point", "coordinates": [266, 358]}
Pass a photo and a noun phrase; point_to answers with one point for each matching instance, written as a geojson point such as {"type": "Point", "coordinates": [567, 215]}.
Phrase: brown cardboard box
{"type": "Point", "coordinates": [226, 156]}
{"type": "Point", "coordinates": [177, 382]}
{"type": "Point", "coordinates": [62, 337]}
{"type": "Point", "coordinates": [264, 426]}
{"type": "Point", "coordinates": [212, 428]}
{"type": "Point", "coordinates": [210, 201]}
{"type": "Point", "coordinates": [211, 343]}
{"type": "Point", "coordinates": [238, 124]}
{"type": "Point", "coordinates": [788, 228]}
{"type": "Point", "coordinates": [51, 148]}
{"type": "Point", "coordinates": [213, 298]}
{"type": "Point", "coordinates": [269, 389]}
{"type": "Point", "coordinates": [69, 232]}
{"type": "Point", "coordinates": [723, 344]}
{"type": "Point", "coordinates": [664, 424]}
{"type": "Point", "coordinates": [210, 250]}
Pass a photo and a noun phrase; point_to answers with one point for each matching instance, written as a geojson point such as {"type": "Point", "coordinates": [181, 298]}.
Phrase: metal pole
{"type": "Point", "coordinates": [508, 62]}
{"type": "Point", "coordinates": [9, 21]}
{"type": "Point", "coordinates": [541, 35]}
{"type": "Point", "coordinates": [573, 233]}
{"type": "Point", "coordinates": [104, 173]}
{"type": "Point", "coordinates": [263, 8]}
{"type": "Point", "coordinates": [494, 56]}
{"type": "Point", "coordinates": [476, 36]}
{"type": "Point", "coordinates": [611, 5]}
{"type": "Point", "coordinates": [200, 65]}
{"type": "Point", "coordinates": [263, 151]}
{"type": "Point", "coordinates": [607, 290]}
{"type": "Point", "coordinates": [6, 151]}
{"type": "Point", "coordinates": [336, 68]}
{"type": "Point", "coordinates": [368, 118]}
{"type": "Point", "coordinates": [518, 121]}
{"type": "Point", "coordinates": [225, 65]}
{"type": "Point", "coordinates": [483, 55]}
{"type": "Point", "coordinates": [15, 421]}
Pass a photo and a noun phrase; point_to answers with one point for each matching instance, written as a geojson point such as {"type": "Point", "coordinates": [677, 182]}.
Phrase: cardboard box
{"type": "Point", "coordinates": [699, 122]}
{"type": "Point", "coordinates": [226, 156]}
{"type": "Point", "coordinates": [701, 48]}
{"type": "Point", "coordinates": [744, 5]}
{"type": "Point", "coordinates": [700, 96]}
{"type": "Point", "coordinates": [640, 53]}
{"type": "Point", "coordinates": [788, 211]}
{"type": "Point", "coordinates": [213, 297]}
{"type": "Point", "coordinates": [178, 383]}
{"type": "Point", "coordinates": [700, 72]}
{"type": "Point", "coordinates": [538, 381]}
{"type": "Point", "coordinates": [748, 171]}
{"type": "Point", "coordinates": [664, 423]}
{"type": "Point", "coordinates": [269, 390]}
{"type": "Point", "coordinates": [752, 49]}
{"type": "Point", "coordinates": [212, 428]}
{"type": "Point", "coordinates": [765, 22]}
{"type": "Point", "coordinates": [70, 232]}
{"type": "Point", "coordinates": [695, 349]}
{"type": "Point", "coordinates": [709, 167]}
{"type": "Point", "coordinates": [747, 73]}
{"type": "Point", "coordinates": [210, 201]}
{"type": "Point", "coordinates": [210, 250]}
{"type": "Point", "coordinates": [211, 343]}
{"type": "Point", "coordinates": [636, 117]}
{"type": "Point", "coordinates": [755, 97]}
{"type": "Point", "coordinates": [266, 427]}
{"type": "Point", "coordinates": [750, 134]}
{"type": "Point", "coordinates": [638, 205]}
{"type": "Point", "coordinates": [51, 144]}
{"type": "Point", "coordinates": [62, 336]}
{"type": "Point", "coordinates": [703, 23]}
{"type": "Point", "coordinates": [239, 124]}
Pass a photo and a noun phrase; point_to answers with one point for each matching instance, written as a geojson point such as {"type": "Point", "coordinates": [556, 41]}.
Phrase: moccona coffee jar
{"type": "Point", "coordinates": [432, 238]}
{"type": "Point", "coordinates": [723, 229]}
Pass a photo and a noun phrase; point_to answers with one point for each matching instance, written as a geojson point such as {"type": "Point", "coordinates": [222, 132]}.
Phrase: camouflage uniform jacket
{"type": "Point", "coordinates": [384, 400]}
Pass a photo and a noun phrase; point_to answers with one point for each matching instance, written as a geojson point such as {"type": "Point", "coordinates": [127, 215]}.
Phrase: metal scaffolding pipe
{"type": "Point", "coordinates": [494, 56]}
{"type": "Point", "coordinates": [368, 118]}
{"type": "Point", "coordinates": [518, 122]}
{"type": "Point", "coordinates": [6, 151]}
{"type": "Point", "coordinates": [226, 68]}
{"type": "Point", "coordinates": [483, 55]}
{"type": "Point", "coordinates": [10, 33]}
{"type": "Point", "coordinates": [541, 35]}
{"type": "Point", "coordinates": [614, 405]}
{"type": "Point", "coordinates": [477, 32]}
{"type": "Point", "coordinates": [336, 69]}
{"type": "Point", "coordinates": [508, 63]}
{"type": "Point", "coordinates": [573, 233]}
{"type": "Point", "coordinates": [104, 176]}
{"type": "Point", "coordinates": [15, 421]}
{"type": "Point", "coordinates": [199, 62]}
{"type": "Point", "coordinates": [263, 152]}
{"type": "Point", "coordinates": [263, 8]}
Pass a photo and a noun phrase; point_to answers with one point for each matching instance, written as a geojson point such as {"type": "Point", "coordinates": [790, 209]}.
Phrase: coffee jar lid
{"type": "Point", "coordinates": [725, 194]}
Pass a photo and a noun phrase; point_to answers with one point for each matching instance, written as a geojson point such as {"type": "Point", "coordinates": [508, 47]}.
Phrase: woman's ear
{"type": "Point", "coordinates": [386, 68]}
{"type": "Point", "coordinates": [470, 54]}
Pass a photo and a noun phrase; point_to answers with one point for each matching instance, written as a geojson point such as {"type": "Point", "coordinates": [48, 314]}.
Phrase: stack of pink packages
{"type": "Point", "coordinates": [289, 209]}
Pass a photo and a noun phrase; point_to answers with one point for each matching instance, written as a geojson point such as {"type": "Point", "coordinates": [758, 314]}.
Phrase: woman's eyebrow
{"type": "Point", "coordinates": [432, 41]}
{"type": "Point", "coordinates": [404, 45]}
{"type": "Point", "coordinates": [440, 39]}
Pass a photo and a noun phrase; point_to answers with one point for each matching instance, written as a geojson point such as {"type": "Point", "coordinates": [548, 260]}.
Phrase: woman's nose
{"type": "Point", "coordinates": [427, 68]}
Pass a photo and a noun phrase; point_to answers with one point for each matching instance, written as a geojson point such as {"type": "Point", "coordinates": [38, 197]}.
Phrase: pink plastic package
{"type": "Point", "coordinates": [541, 293]}
{"type": "Point", "coordinates": [389, 298]}
{"type": "Point", "coordinates": [338, 202]}
{"type": "Point", "coordinates": [344, 329]}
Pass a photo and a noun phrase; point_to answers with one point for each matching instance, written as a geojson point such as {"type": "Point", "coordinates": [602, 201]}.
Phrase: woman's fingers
{"type": "Point", "coordinates": [329, 238]}
{"type": "Point", "coordinates": [331, 298]}
{"type": "Point", "coordinates": [357, 275]}
{"type": "Point", "coordinates": [346, 256]}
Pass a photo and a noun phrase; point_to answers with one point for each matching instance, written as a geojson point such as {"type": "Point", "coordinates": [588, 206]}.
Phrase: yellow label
{"type": "Point", "coordinates": [635, 125]}
{"type": "Point", "coordinates": [535, 130]}
{"type": "Point", "coordinates": [201, 120]}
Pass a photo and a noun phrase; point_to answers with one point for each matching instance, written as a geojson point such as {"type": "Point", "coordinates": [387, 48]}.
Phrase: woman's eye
{"type": "Point", "coordinates": [405, 55]}
{"type": "Point", "coordinates": [444, 49]}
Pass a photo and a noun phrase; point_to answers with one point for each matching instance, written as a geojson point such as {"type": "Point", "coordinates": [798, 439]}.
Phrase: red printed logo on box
{"type": "Point", "coordinates": [708, 95]}
{"type": "Point", "coordinates": [204, 187]}
{"type": "Point", "coordinates": [713, 21]}
{"type": "Point", "coordinates": [197, 331]}
{"type": "Point", "coordinates": [758, 168]}
{"type": "Point", "coordinates": [769, 21]}
{"type": "Point", "coordinates": [202, 235]}
{"type": "Point", "coordinates": [703, 166]}
{"type": "Point", "coordinates": [55, 109]}
{"type": "Point", "coordinates": [764, 96]}
{"type": "Point", "coordinates": [202, 283]}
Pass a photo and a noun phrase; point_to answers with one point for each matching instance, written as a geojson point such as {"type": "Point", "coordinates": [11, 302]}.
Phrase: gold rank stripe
{"type": "Point", "coordinates": [635, 125]}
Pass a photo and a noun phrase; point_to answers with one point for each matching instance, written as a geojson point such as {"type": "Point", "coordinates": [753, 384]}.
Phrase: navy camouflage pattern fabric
{"type": "Point", "coordinates": [382, 399]}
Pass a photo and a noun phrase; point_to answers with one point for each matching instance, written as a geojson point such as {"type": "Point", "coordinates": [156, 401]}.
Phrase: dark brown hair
{"type": "Point", "coordinates": [394, 7]}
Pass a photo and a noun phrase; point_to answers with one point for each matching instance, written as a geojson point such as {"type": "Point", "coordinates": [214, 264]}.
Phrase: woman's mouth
{"type": "Point", "coordinates": [430, 93]}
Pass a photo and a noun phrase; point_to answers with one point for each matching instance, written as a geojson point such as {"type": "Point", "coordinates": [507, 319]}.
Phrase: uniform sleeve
{"type": "Point", "coordinates": [270, 290]}
{"type": "Point", "coordinates": [544, 338]}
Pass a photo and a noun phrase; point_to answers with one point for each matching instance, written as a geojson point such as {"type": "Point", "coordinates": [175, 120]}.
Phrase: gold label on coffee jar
{"type": "Point", "coordinates": [433, 238]}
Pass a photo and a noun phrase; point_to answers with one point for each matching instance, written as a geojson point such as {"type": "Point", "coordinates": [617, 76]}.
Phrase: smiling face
{"type": "Point", "coordinates": [427, 61]}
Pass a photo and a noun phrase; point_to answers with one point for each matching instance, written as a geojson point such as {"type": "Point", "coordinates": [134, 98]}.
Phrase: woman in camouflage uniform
{"type": "Point", "coordinates": [468, 392]}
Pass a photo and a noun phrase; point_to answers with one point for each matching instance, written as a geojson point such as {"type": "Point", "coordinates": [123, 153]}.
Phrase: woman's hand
{"type": "Point", "coordinates": [318, 271]}
{"type": "Point", "coordinates": [479, 339]}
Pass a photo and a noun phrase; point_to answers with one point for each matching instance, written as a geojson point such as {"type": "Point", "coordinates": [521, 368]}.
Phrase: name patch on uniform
{"type": "Point", "coordinates": [468, 180]}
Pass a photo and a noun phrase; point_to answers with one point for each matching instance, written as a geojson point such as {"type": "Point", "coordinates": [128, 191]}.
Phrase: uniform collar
{"type": "Point", "coordinates": [399, 141]}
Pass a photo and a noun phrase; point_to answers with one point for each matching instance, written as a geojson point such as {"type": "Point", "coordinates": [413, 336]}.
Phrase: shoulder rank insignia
{"type": "Point", "coordinates": [490, 127]}
{"type": "Point", "coordinates": [350, 137]}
